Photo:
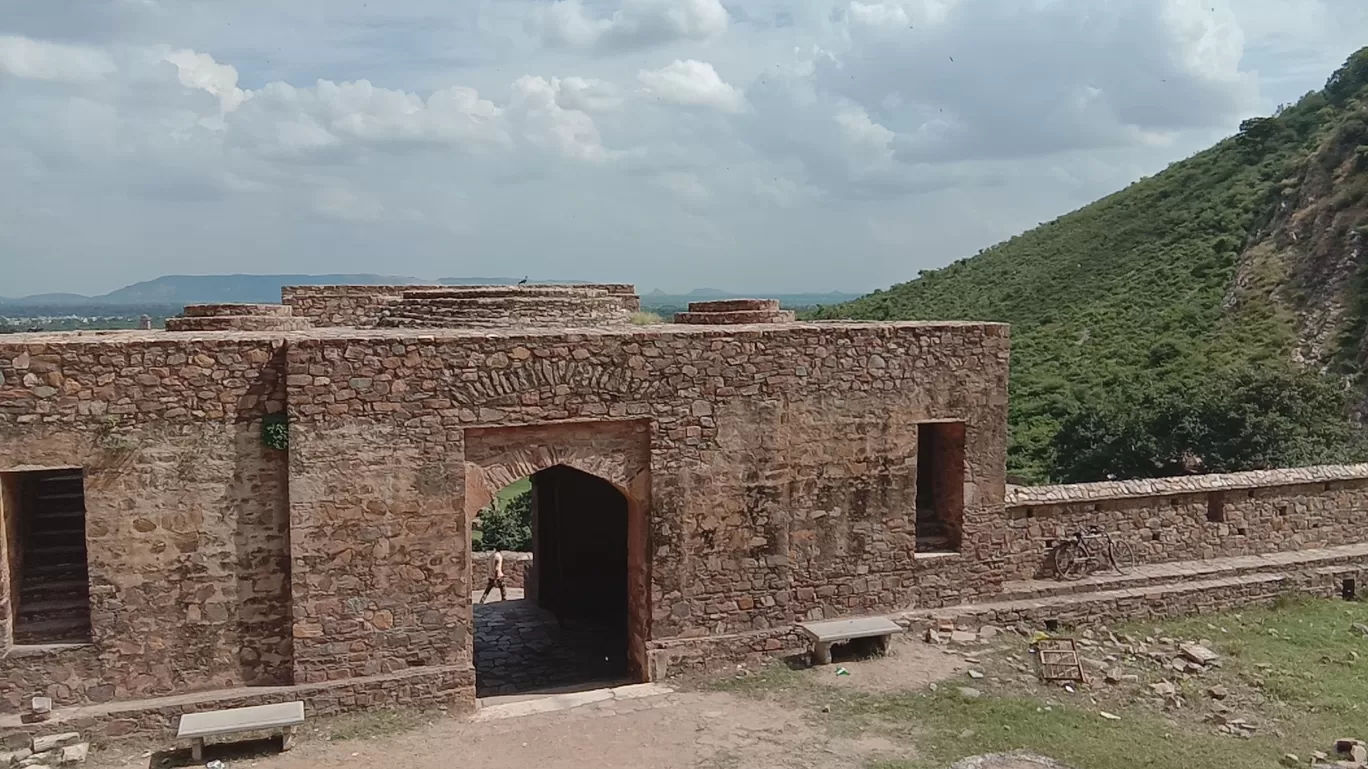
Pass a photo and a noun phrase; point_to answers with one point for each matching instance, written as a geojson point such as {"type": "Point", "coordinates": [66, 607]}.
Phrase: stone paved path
{"type": "Point", "coordinates": [520, 648]}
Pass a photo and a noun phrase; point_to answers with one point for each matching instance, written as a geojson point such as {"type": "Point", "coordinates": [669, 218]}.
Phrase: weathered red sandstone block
{"type": "Point", "coordinates": [238, 323]}
{"type": "Point", "coordinates": [234, 309]}
{"type": "Point", "coordinates": [735, 305]}
{"type": "Point", "coordinates": [734, 317]}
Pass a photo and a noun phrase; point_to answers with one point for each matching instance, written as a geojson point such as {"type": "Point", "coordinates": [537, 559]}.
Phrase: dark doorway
{"type": "Point", "coordinates": [44, 518]}
{"type": "Point", "coordinates": [940, 486]}
{"type": "Point", "coordinates": [567, 627]}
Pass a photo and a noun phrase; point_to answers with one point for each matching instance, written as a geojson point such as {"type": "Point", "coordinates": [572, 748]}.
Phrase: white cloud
{"type": "Point", "coordinates": [686, 187]}
{"type": "Point", "coordinates": [43, 60]}
{"type": "Point", "coordinates": [871, 143]}
{"type": "Point", "coordinates": [347, 205]}
{"type": "Point", "coordinates": [878, 14]}
{"type": "Point", "coordinates": [692, 83]}
{"type": "Point", "coordinates": [638, 23]}
{"type": "Point", "coordinates": [373, 137]}
{"type": "Point", "coordinates": [280, 118]}
{"type": "Point", "coordinates": [586, 95]}
{"type": "Point", "coordinates": [547, 124]}
{"type": "Point", "coordinates": [199, 70]}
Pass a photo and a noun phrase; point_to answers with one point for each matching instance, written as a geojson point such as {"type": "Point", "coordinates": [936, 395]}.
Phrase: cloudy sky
{"type": "Point", "coordinates": [749, 145]}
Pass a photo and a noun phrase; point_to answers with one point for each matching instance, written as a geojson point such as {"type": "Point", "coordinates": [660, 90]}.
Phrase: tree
{"type": "Point", "coordinates": [1248, 419]}
{"type": "Point", "coordinates": [507, 524]}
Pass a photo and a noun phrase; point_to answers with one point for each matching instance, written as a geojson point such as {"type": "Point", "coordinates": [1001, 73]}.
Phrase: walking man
{"type": "Point", "coordinates": [496, 577]}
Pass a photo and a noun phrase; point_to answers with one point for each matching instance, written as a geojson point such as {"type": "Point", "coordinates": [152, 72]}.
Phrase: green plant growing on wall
{"type": "Point", "coordinates": [112, 438]}
{"type": "Point", "coordinates": [275, 431]}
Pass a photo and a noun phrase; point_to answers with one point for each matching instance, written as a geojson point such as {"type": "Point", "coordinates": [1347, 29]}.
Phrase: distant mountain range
{"type": "Point", "coordinates": [176, 290]}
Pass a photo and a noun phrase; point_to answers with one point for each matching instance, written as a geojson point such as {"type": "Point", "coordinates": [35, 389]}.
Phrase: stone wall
{"type": "Point", "coordinates": [516, 567]}
{"type": "Point", "coordinates": [366, 306]}
{"type": "Point", "coordinates": [380, 552]}
{"type": "Point", "coordinates": [348, 306]}
{"type": "Point", "coordinates": [770, 475]}
{"type": "Point", "coordinates": [186, 521]}
{"type": "Point", "coordinates": [1175, 519]}
{"type": "Point", "coordinates": [730, 312]}
{"type": "Point", "coordinates": [782, 466]}
{"type": "Point", "coordinates": [237, 317]}
{"type": "Point", "coordinates": [559, 307]}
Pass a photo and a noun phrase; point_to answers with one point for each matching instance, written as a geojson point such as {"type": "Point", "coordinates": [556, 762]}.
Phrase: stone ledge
{"type": "Point", "coordinates": [1173, 599]}
{"type": "Point", "coordinates": [238, 323]}
{"type": "Point", "coordinates": [222, 309]}
{"type": "Point", "coordinates": [734, 317]}
{"type": "Point", "coordinates": [449, 685]}
{"type": "Point", "coordinates": [45, 650]}
{"type": "Point", "coordinates": [806, 331]}
{"type": "Point", "coordinates": [1020, 496]}
{"type": "Point", "coordinates": [1150, 575]}
{"type": "Point", "coordinates": [351, 290]}
{"type": "Point", "coordinates": [735, 305]}
{"type": "Point", "coordinates": [548, 293]}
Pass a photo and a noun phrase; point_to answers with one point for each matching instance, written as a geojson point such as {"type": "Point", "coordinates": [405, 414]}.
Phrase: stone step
{"type": "Point", "coordinates": [49, 589]}
{"type": "Point", "coordinates": [735, 305]}
{"type": "Point", "coordinates": [229, 309]}
{"type": "Point", "coordinates": [1163, 573]}
{"type": "Point", "coordinates": [1169, 600]}
{"type": "Point", "coordinates": [486, 302]}
{"type": "Point", "coordinates": [65, 491]}
{"type": "Point", "coordinates": [50, 538]}
{"type": "Point", "coordinates": [34, 570]}
{"type": "Point", "coordinates": [51, 478]}
{"type": "Point", "coordinates": [501, 293]}
{"type": "Point", "coordinates": [734, 317]}
{"type": "Point", "coordinates": [57, 520]}
{"type": "Point", "coordinates": [238, 323]}
{"type": "Point", "coordinates": [64, 630]}
{"type": "Point", "coordinates": [68, 553]}
{"type": "Point", "coordinates": [70, 607]}
{"type": "Point", "coordinates": [423, 309]}
{"type": "Point", "coordinates": [934, 543]}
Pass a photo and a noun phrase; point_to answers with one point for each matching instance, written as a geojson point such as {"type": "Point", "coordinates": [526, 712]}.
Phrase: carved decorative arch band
{"type": "Point", "coordinates": [615, 451]}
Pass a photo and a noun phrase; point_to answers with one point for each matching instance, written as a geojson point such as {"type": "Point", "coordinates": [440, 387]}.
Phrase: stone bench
{"type": "Point", "coordinates": [824, 634]}
{"type": "Point", "coordinates": [284, 716]}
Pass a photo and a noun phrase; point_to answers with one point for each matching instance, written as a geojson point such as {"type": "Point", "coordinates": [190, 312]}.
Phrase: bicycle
{"type": "Point", "coordinates": [1089, 549]}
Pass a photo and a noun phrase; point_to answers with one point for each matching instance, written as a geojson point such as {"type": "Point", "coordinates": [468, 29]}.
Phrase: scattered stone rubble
{"type": "Point", "coordinates": [1350, 754]}
{"type": "Point", "coordinates": [53, 750]}
{"type": "Point", "coordinates": [1013, 760]}
{"type": "Point", "coordinates": [1179, 659]}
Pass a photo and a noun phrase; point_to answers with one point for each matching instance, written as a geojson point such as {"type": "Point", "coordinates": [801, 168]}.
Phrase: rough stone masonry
{"type": "Point", "coordinates": [768, 470]}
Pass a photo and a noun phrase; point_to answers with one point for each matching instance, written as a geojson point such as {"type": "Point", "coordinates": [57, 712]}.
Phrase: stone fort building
{"type": "Point", "coordinates": [271, 502]}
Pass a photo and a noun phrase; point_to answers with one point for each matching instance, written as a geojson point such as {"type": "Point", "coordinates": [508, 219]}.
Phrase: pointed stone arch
{"type": "Point", "coordinates": [615, 451]}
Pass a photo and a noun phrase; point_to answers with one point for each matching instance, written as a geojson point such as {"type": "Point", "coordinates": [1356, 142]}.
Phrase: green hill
{"type": "Point", "coordinates": [1246, 253]}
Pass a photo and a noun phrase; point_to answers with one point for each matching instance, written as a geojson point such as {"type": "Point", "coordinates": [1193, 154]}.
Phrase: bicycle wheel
{"type": "Point", "coordinates": [1122, 557]}
{"type": "Point", "coordinates": [1067, 562]}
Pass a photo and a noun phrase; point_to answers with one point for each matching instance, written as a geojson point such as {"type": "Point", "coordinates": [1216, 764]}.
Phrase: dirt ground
{"type": "Point", "coordinates": [681, 730]}
{"type": "Point", "coordinates": [676, 731]}
{"type": "Point", "coordinates": [910, 665]}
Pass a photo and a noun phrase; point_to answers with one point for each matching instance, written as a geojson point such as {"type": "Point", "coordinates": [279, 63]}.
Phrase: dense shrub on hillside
{"type": "Point", "coordinates": [1250, 419]}
{"type": "Point", "coordinates": [1140, 285]}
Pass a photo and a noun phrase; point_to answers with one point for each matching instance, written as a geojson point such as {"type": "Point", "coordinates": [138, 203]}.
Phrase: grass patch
{"type": "Point", "coordinates": [1305, 657]}
{"type": "Point", "coordinates": [369, 724]}
{"type": "Point", "coordinates": [644, 318]}
{"type": "Point", "coordinates": [946, 726]}
{"type": "Point", "coordinates": [1298, 671]}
